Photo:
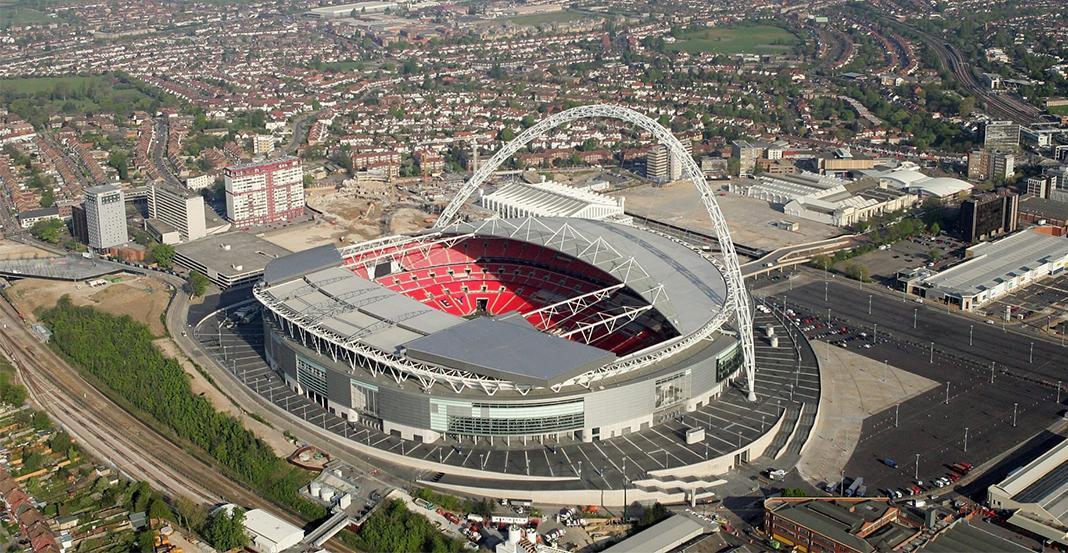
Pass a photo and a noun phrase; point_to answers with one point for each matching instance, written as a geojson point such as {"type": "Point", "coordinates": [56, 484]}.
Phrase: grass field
{"type": "Point", "coordinates": [34, 85]}
{"type": "Point", "coordinates": [18, 16]}
{"type": "Point", "coordinates": [737, 39]}
{"type": "Point", "coordinates": [1059, 110]}
{"type": "Point", "coordinates": [536, 19]}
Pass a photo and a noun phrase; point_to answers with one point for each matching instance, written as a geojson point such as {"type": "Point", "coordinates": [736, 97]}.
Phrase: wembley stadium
{"type": "Point", "coordinates": [498, 356]}
{"type": "Point", "coordinates": [525, 327]}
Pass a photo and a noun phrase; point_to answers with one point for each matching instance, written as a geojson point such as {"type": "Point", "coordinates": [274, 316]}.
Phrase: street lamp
{"type": "Point", "coordinates": [869, 304]}
{"type": "Point", "coordinates": [915, 313]}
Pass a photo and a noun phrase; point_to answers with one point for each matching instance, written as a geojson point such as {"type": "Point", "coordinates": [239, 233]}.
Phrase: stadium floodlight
{"type": "Point", "coordinates": [739, 298]}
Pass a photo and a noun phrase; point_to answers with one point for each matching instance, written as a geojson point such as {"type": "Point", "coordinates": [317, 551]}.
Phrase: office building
{"type": "Point", "coordinates": [79, 226]}
{"type": "Point", "coordinates": [181, 209]}
{"type": "Point", "coordinates": [1040, 186]}
{"type": "Point", "coordinates": [105, 216]}
{"type": "Point", "coordinates": [979, 165]}
{"type": "Point", "coordinates": [262, 144]}
{"type": "Point", "coordinates": [747, 153]}
{"type": "Point", "coordinates": [661, 166]}
{"type": "Point", "coordinates": [231, 259]}
{"type": "Point", "coordinates": [265, 192]}
{"type": "Point", "coordinates": [1003, 166]}
{"type": "Point", "coordinates": [988, 215]}
{"type": "Point", "coordinates": [1001, 134]}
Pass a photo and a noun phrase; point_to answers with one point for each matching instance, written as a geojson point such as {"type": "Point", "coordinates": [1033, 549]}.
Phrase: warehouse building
{"type": "Point", "coordinates": [1037, 494]}
{"type": "Point", "coordinates": [993, 269]}
{"type": "Point", "coordinates": [826, 199]}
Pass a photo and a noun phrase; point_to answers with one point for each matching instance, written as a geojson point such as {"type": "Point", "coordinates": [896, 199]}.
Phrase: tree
{"type": "Point", "coordinates": [190, 514]}
{"type": "Point", "coordinates": [164, 255]}
{"type": "Point", "coordinates": [935, 254]}
{"type": "Point", "coordinates": [935, 228]}
{"type": "Point", "coordinates": [117, 159]}
{"type": "Point", "coordinates": [158, 509]}
{"type": "Point", "coordinates": [859, 272]}
{"type": "Point", "coordinates": [823, 261]}
{"type": "Point", "coordinates": [225, 530]}
{"type": "Point", "coordinates": [198, 283]}
{"type": "Point", "coordinates": [47, 230]}
{"type": "Point", "coordinates": [60, 443]}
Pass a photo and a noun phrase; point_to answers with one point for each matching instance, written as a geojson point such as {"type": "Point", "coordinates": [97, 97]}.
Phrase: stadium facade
{"type": "Point", "coordinates": [504, 328]}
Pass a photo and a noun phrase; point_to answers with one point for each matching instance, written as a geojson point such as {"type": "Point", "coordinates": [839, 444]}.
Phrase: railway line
{"type": "Point", "coordinates": [108, 431]}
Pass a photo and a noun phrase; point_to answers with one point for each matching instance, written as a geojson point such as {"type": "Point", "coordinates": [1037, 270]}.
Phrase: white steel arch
{"type": "Point", "coordinates": [739, 298]}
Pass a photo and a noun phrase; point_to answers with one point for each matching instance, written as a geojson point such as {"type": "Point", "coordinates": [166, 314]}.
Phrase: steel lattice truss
{"type": "Point", "coordinates": [738, 297]}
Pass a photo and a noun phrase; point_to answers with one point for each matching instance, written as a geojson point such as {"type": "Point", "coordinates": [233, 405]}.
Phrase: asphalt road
{"type": "Point", "coordinates": [927, 425]}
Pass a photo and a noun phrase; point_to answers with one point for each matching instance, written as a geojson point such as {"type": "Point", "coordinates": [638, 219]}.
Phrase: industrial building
{"type": "Point", "coordinates": [552, 199]}
{"type": "Point", "coordinates": [231, 259]}
{"type": "Point", "coordinates": [178, 209]}
{"type": "Point", "coordinates": [270, 534]}
{"type": "Point", "coordinates": [992, 269]}
{"type": "Point", "coordinates": [1001, 134]}
{"type": "Point", "coordinates": [105, 216]}
{"type": "Point", "coordinates": [988, 215]}
{"type": "Point", "coordinates": [662, 537]}
{"type": "Point", "coordinates": [264, 192]}
{"type": "Point", "coordinates": [1037, 494]}
{"type": "Point", "coordinates": [907, 177]}
{"type": "Point", "coordinates": [346, 10]}
{"type": "Point", "coordinates": [826, 199]}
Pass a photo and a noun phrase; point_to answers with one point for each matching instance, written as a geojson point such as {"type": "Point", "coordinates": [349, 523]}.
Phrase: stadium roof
{"type": "Point", "coordinates": [684, 286]}
{"type": "Point", "coordinates": [510, 350]}
{"type": "Point", "coordinates": [993, 263]}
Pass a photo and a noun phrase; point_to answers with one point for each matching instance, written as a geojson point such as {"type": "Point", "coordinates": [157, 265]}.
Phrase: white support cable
{"type": "Point", "coordinates": [735, 284]}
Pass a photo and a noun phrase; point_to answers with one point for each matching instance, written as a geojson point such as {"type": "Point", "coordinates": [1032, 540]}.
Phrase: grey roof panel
{"type": "Point", "coordinates": [519, 353]}
{"type": "Point", "coordinates": [301, 263]}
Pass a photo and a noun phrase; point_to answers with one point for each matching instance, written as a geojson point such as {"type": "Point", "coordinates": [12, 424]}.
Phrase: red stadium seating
{"type": "Point", "coordinates": [510, 276]}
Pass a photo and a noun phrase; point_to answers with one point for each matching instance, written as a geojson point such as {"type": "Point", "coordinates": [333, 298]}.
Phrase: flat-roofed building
{"type": "Point", "coordinates": [1001, 134]}
{"type": "Point", "coordinates": [993, 269]}
{"type": "Point", "coordinates": [231, 259]}
{"type": "Point", "coordinates": [180, 209]}
{"type": "Point", "coordinates": [662, 537]}
{"type": "Point", "coordinates": [105, 216]}
{"type": "Point", "coordinates": [265, 192]}
{"type": "Point", "coordinates": [988, 215]}
{"type": "Point", "coordinates": [1037, 493]}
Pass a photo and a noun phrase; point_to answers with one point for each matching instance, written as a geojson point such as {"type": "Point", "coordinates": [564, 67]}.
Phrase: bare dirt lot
{"type": "Point", "coordinates": [15, 250]}
{"type": "Point", "coordinates": [751, 221]}
{"type": "Point", "coordinates": [349, 216]}
{"type": "Point", "coordinates": [142, 298]}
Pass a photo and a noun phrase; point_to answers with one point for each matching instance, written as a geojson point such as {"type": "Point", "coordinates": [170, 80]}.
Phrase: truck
{"type": "Point", "coordinates": [855, 487]}
{"type": "Point", "coordinates": [246, 314]}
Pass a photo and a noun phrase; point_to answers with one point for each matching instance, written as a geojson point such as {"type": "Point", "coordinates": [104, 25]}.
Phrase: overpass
{"type": "Point", "coordinates": [795, 255]}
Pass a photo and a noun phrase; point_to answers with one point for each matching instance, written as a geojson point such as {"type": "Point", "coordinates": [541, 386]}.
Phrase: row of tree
{"type": "Point", "coordinates": [118, 352]}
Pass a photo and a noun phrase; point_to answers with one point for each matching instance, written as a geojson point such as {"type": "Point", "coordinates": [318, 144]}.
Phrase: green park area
{"type": "Point", "coordinates": [35, 99]}
{"type": "Point", "coordinates": [16, 13]}
{"type": "Point", "coordinates": [736, 39]}
{"type": "Point", "coordinates": [1059, 110]}
{"type": "Point", "coordinates": [536, 19]}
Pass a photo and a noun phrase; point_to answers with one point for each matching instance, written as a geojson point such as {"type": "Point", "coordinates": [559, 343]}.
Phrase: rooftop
{"type": "Point", "coordinates": [663, 536]}
{"type": "Point", "coordinates": [510, 350]}
{"type": "Point", "coordinates": [233, 253]}
{"type": "Point", "coordinates": [963, 536]}
{"type": "Point", "coordinates": [993, 263]}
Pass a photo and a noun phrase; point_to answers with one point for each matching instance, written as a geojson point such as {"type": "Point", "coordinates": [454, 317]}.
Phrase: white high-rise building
{"type": "Point", "coordinates": [661, 166]}
{"type": "Point", "coordinates": [264, 192]}
{"type": "Point", "coordinates": [180, 209]}
{"type": "Point", "coordinates": [105, 216]}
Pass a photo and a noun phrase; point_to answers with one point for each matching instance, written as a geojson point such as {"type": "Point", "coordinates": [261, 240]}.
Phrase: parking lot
{"type": "Point", "coordinates": [782, 386]}
{"type": "Point", "coordinates": [999, 388]}
{"type": "Point", "coordinates": [883, 265]}
{"type": "Point", "coordinates": [1040, 305]}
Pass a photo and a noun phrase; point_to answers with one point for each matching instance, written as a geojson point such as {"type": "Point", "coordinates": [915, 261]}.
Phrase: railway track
{"type": "Point", "coordinates": [113, 434]}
